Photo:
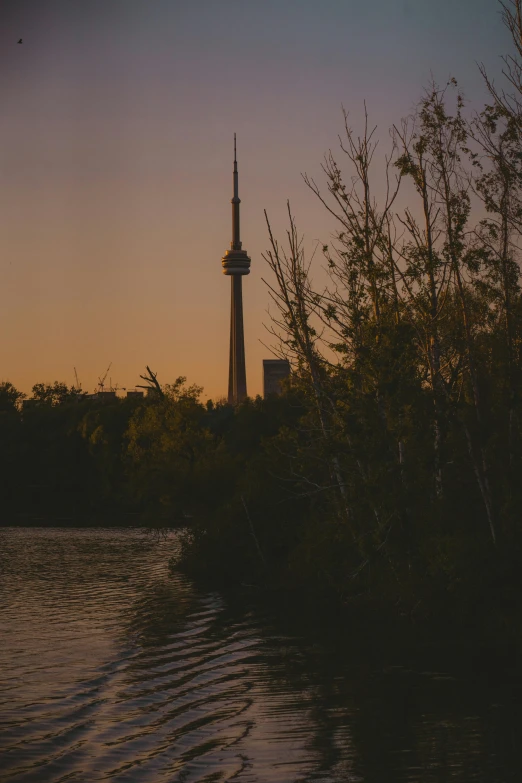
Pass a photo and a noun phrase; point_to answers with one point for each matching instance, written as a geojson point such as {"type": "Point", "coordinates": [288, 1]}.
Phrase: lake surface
{"type": "Point", "coordinates": [111, 668]}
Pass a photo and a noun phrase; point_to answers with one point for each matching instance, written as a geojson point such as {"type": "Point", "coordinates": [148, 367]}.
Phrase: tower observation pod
{"type": "Point", "coordinates": [236, 263]}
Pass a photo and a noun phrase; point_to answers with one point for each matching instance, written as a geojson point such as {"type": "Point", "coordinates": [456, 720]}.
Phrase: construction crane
{"type": "Point", "coordinates": [116, 387]}
{"type": "Point", "coordinates": [78, 384]}
{"type": "Point", "coordinates": [101, 381]}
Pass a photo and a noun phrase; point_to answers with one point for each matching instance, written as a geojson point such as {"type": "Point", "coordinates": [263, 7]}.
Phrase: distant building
{"type": "Point", "coordinates": [274, 371]}
{"type": "Point", "coordinates": [105, 396]}
{"type": "Point", "coordinates": [134, 394]}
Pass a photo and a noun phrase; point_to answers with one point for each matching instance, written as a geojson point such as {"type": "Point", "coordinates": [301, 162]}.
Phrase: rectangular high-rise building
{"type": "Point", "coordinates": [274, 371]}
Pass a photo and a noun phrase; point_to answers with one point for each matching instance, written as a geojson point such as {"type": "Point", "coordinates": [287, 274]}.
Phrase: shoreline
{"type": "Point", "coordinates": [461, 622]}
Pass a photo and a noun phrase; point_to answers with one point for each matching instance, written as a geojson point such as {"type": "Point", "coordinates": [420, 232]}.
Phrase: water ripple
{"type": "Point", "coordinates": [113, 668]}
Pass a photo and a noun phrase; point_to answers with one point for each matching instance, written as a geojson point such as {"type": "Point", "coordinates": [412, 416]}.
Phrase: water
{"type": "Point", "coordinates": [111, 668]}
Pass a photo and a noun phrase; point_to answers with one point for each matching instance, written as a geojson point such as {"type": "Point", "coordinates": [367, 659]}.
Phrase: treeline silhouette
{"type": "Point", "coordinates": [160, 460]}
{"type": "Point", "coordinates": [253, 488]}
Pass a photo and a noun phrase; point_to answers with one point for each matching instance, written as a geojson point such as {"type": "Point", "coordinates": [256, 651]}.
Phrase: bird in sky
{"type": "Point", "coordinates": [20, 41]}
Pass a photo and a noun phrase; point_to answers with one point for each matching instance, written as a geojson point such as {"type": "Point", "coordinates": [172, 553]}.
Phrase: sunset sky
{"type": "Point", "coordinates": [116, 146]}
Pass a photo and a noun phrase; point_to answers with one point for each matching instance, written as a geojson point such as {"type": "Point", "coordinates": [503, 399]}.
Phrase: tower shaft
{"type": "Point", "coordinates": [237, 389]}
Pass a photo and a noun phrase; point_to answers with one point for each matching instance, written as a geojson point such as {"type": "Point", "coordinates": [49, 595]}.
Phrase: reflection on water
{"type": "Point", "coordinates": [110, 668]}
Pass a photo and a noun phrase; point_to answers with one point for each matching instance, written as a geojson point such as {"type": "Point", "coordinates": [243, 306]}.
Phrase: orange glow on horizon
{"type": "Point", "coordinates": [116, 164]}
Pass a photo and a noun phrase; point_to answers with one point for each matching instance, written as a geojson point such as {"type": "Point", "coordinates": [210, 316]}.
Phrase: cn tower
{"type": "Point", "coordinates": [236, 263]}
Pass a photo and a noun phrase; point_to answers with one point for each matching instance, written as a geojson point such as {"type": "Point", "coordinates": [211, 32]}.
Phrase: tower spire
{"type": "Point", "coordinates": [236, 263]}
{"type": "Point", "coordinates": [236, 201]}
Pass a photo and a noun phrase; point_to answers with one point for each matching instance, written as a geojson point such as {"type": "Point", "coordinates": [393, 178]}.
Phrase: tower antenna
{"type": "Point", "coordinates": [101, 381]}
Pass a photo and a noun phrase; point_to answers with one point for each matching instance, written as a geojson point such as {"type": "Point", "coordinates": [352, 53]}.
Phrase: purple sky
{"type": "Point", "coordinates": [116, 136]}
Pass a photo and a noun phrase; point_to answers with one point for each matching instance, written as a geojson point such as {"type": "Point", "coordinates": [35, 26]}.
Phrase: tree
{"type": "Point", "coordinates": [10, 397]}
{"type": "Point", "coordinates": [57, 393]}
